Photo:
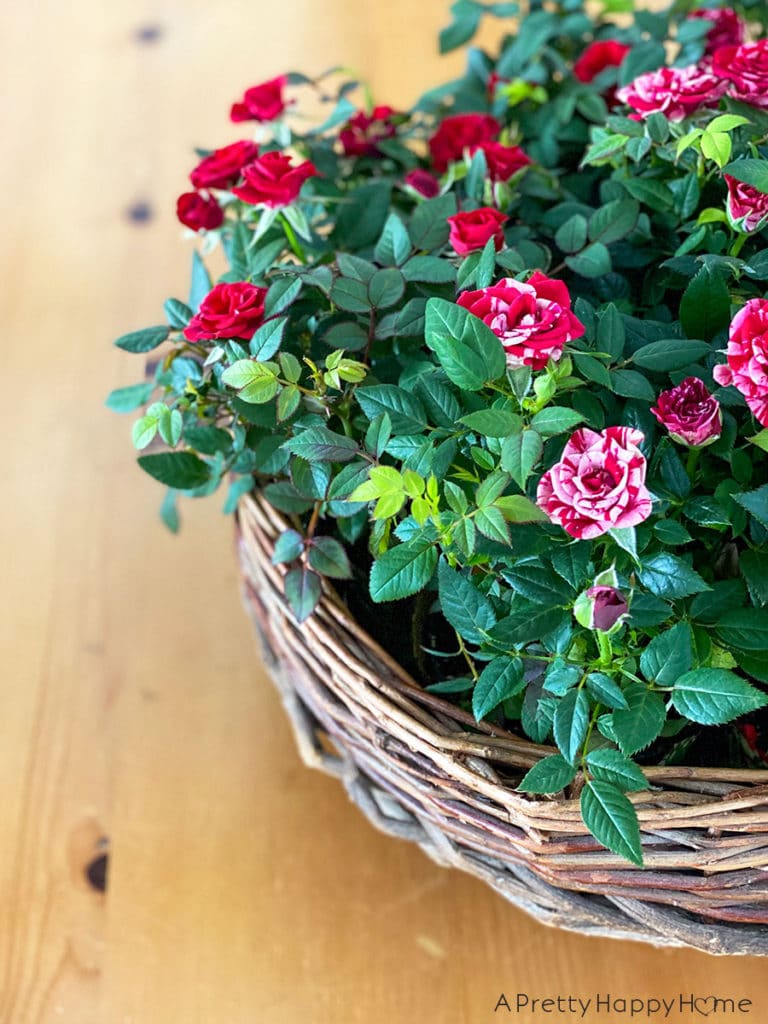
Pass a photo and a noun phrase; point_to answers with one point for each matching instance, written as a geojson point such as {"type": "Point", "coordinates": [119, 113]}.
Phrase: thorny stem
{"type": "Point", "coordinates": [467, 657]}
{"type": "Point", "coordinates": [313, 520]}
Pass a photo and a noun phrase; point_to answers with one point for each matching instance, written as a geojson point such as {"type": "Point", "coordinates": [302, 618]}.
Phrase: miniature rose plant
{"type": "Point", "coordinates": [501, 361]}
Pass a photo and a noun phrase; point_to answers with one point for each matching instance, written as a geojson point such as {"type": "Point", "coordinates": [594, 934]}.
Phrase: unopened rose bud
{"type": "Point", "coordinates": [601, 608]}
{"type": "Point", "coordinates": [690, 413]}
{"type": "Point", "coordinates": [747, 206]}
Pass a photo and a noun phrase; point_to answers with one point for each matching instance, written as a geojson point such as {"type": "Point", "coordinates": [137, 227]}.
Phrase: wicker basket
{"type": "Point", "coordinates": [424, 770]}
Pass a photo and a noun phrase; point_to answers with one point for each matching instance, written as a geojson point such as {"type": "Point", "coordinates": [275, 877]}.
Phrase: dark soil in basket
{"type": "Point", "coordinates": [412, 629]}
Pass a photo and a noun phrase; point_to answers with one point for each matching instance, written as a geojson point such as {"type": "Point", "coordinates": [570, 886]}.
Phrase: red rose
{"type": "Point", "coordinates": [228, 311]}
{"type": "Point", "coordinates": [423, 182]}
{"type": "Point", "coordinates": [471, 231]}
{"type": "Point", "coordinates": [273, 181]}
{"type": "Point", "coordinates": [460, 132]}
{"type": "Point", "coordinates": [676, 92]}
{"type": "Point", "coordinates": [747, 207]}
{"type": "Point", "coordinates": [605, 53]}
{"type": "Point", "coordinates": [598, 484]}
{"type": "Point", "coordinates": [745, 69]}
{"type": "Point", "coordinates": [222, 167]}
{"type": "Point", "coordinates": [503, 161]}
{"type": "Point", "coordinates": [690, 413]}
{"type": "Point", "coordinates": [199, 213]}
{"type": "Point", "coordinates": [727, 28]}
{"type": "Point", "coordinates": [747, 366]}
{"type": "Point", "coordinates": [360, 135]}
{"type": "Point", "coordinates": [262, 102]}
{"type": "Point", "coordinates": [533, 319]}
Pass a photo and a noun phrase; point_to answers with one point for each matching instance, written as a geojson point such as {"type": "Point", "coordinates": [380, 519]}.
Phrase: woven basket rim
{"type": "Point", "coordinates": [448, 782]}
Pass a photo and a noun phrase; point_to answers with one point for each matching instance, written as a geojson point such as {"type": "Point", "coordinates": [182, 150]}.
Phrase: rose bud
{"type": "Point", "coordinates": [470, 231]}
{"type": "Point", "coordinates": [423, 182]}
{"type": "Point", "coordinates": [691, 414]}
{"type": "Point", "coordinates": [602, 608]}
{"type": "Point", "coordinates": [747, 207]}
{"type": "Point", "coordinates": [196, 212]}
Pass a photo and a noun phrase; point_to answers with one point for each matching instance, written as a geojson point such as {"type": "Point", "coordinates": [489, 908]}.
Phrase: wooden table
{"type": "Point", "coordinates": [242, 889]}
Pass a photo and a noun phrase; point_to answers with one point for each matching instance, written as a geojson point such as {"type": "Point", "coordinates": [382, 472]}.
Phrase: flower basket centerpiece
{"type": "Point", "coordinates": [486, 381]}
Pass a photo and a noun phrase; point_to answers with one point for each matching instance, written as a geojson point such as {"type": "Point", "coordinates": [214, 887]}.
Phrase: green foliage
{"type": "Point", "coordinates": [412, 443]}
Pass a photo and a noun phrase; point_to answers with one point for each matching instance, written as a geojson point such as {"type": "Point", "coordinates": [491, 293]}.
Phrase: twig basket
{"type": "Point", "coordinates": [424, 770]}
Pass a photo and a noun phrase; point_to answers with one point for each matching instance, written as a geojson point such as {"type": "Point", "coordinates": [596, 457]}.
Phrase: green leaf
{"type": "Point", "coordinates": [516, 508]}
{"type": "Point", "coordinates": [756, 503]}
{"type": "Point", "coordinates": [674, 354]}
{"type": "Point", "coordinates": [386, 288]}
{"type": "Point", "coordinates": [614, 221]}
{"type": "Point", "coordinates": [288, 546]}
{"type": "Point", "coordinates": [492, 524]}
{"type": "Point", "coordinates": [181, 470]}
{"type": "Point", "coordinates": [468, 350]}
{"type": "Point", "coordinates": [555, 420]}
{"type": "Point", "coordinates": [751, 171]}
{"type": "Point", "coordinates": [178, 314]}
{"type": "Point", "coordinates": [668, 656]}
{"type": "Point", "coordinates": [491, 422]}
{"type": "Point", "coordinates": [169, 512]}
{"type": "Point", "coordinates": [467, 609]}
{"type": "Point", "coordinates": [281, 294]}
{"type": "Point", "coordinates": [571, 562]}
{"type": "Point", "coordinates": [705, 308]}
{"type": "Point", "coordinates": [606, 691]}
{"type": "Point", "coordinates": [403, 570]}
{"type": "Point", "coordinates": [572, 235]}
{"type": "Point", "coordinates": [129, 398]}
{"type": "Point", "coordinates": [653, 193]}
{"type": "Point", "coordinates": [608, 765]}
{"type": "Point", "coordinates": [716, 146]}
{"type": "Point", "coordinates": [570, 723]}
{"type": "Point", "coordinates": [143, 431]}
{"type": "Point", "coordinates": [626, 538]}
{"type": "Point", "coordinates": [394, 246]}
{"type": "Point", "coordinates": [638, 725]}
{"type": "Point", "coordinates": [549, 775]}
{"type": "Point", "coordinates": [200, 282]}
{"type": "Point", "coordinates": [539, 583]}
{"type": "Point", "coordinates": [630, 384]}
{"type": "Point", "coordinates": [594, 261]}
{"type": "Point", "coordinates": [322, 444]}
{"type": "Point", "coordinates": [669, 576]}
{"type": "Point", "coordinates": [429, 228]}
{"type": "Point", "coordinates": [267, 339]}
{"type": "Point", "coordinates": [362, 216]}
{"type": "Point", "coordinates": [520, 453]}
{"type": "Point", "coordinates": [405, 411]}
{"type": "Point", "coordinates": [429, 270]}
{"type": "Point", "coordinates": [561, 677]}
{"type": "Point", "coordinates": [329, 558]}
{"type": "Point", "coordinates": [460, 31]}
{"type": "Point", "coordinates": [303, 590]}
{"type": "Point", "coordinates": [526, 623]}
{"type": "Point", "coordinates": [754, 569]}
{"type": "Point", "coordinates": [144, 340]}
{"type": "Point", "coordinates": [612, 820]}
{"type": "Point", "coordinates": [500, 679]}
{"type": "Point", "coordinates": [714, 696]}
{"type": "Point", "coordinates": [745, 629]}
{"type": "Point", "coordinates": [351, 295]}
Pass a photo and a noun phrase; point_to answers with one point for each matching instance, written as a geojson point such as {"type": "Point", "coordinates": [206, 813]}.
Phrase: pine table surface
{"type": "Point", "coordinates": [240, 888]}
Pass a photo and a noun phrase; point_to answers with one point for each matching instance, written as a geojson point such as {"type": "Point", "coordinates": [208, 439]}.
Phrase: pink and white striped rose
{"type": "Point", "coordinates": [676, 92]}
{"type": "Point", "coordinates": [747, 355]}
{"type": "Point", "coordinates": [598, 484]}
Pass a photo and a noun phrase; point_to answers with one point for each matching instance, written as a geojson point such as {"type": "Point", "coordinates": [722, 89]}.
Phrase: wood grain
{"type": "Point", "coordinates": [241, 887]}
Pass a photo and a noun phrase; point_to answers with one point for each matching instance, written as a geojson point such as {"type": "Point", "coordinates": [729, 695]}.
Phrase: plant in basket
{"type": "Point", "coordinates": [501, 363]}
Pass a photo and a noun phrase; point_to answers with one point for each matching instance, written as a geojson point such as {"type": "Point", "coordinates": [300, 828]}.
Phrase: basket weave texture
{"type": "Point", "coordinates": [424, 770]}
